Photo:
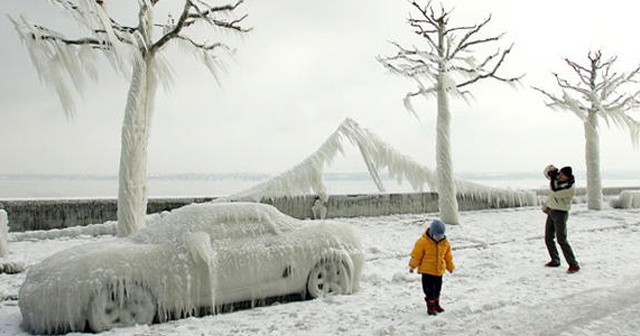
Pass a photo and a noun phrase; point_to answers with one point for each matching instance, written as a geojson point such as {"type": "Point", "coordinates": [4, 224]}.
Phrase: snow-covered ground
{"type": "Point", "coordinates": [500, 286]}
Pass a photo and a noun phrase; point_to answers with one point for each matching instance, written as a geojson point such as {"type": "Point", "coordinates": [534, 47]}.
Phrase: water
{"type": "Point", "coordinates": [211, 185]}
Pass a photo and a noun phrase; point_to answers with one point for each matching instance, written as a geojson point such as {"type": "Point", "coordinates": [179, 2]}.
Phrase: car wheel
{"type": "Point", "coordinates": [328, 277]}
{"type": "Point", "coordinates": [121, 307]}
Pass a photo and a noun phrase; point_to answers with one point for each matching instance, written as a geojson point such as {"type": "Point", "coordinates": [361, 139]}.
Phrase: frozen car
{"type": "Point", "coordinates": [201, 256]}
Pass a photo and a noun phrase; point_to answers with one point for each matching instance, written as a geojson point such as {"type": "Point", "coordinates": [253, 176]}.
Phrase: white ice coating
{"type": "Point", "coordinates": [65, 63]}
{"type": "Point", "coordinates": [628, 199]}
{"type": "Point", "coordinates": [107, 228]}
{"type": "Point", "coordinates": [64, 67]}
{"type": "Point", "coordinates": [307, 176]}
{"type": "Point", "coordinates": [592, 161]}
{"type": "Point", "coordinates": [4, 232]}
{"type": "Point", "coordinates": [200, 255]}
{"type": "Point", "coordinates": [601, 95]}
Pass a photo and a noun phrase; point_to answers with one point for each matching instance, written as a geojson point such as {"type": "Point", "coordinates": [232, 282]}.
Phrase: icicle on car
{"type": "Point", "coordinates": [197, 257]}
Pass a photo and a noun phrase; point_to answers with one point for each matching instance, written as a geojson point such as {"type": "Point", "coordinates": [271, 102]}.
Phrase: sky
{"type": "Point", "coordinates": [494, 290]}
{"type": "Point", "coordinates": [304, 68]}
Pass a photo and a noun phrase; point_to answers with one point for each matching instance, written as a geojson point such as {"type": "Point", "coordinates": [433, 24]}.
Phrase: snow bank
{"type": "Point", "coordinates": [107, 228]}
{"type": "Point", "coordinates": [628, 199]}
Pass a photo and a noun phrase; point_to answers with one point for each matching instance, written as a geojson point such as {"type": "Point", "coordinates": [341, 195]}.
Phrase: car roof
{"type": "Point", "coordinates": [219, 220]}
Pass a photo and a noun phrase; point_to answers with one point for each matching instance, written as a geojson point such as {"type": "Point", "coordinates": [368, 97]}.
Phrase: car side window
{"type": "Point", "coordinates": [240, 229]}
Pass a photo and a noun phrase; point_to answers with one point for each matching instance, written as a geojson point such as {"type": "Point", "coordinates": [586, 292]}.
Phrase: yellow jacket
{"type": "Point", "coordinates": [432, 257]}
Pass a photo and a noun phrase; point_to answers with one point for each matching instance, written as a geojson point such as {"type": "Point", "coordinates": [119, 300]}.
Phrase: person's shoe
{"type": "Point", "coordinates": [552, 264]}
{"type": "Point", "coordinates": [438, 308]}
{"type": "Point", "coordinates": [573, 269]}
{"type": "Point", "coordinates": [431, 307]}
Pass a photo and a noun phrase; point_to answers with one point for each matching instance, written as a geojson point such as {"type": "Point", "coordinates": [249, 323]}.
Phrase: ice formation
{"type": "Point", "coordinates": [198, 256]}
{"type": "Point", "coordinates": [602, 94]}
{"type": "Point", "coordinates": [135, 51]}
{"type": "Point", "coordinates": [4, 232]}
{"type": "Point", "coordinates": [628, 199]}
{"type": "Point", "coordinates": [307, 176]}
{"type": "Point", "coordinates": [107, 228]}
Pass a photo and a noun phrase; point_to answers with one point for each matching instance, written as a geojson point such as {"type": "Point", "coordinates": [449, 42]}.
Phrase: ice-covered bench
{"type": "Point", "coordinates": [628, 199]}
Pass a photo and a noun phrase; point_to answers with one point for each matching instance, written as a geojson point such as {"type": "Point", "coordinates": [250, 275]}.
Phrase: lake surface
{"type": "Point", "coordinates": [211, 185]}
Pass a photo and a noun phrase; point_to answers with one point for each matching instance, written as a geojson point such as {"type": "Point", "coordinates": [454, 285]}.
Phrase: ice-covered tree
{"type": "Point", "coordinates": [4, 232]}
{"type": "Point", "coordinates": [65, 62]}
{"type": "Point", "coordinates": [599, 93]}
{"type": "Point", "coordinates": [307, 176]}
{"type": "Point", "coordinates": [451, 62]}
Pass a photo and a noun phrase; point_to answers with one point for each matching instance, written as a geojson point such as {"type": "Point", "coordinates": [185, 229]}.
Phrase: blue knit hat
{"type": "Point", "coordinates": [437, 229]}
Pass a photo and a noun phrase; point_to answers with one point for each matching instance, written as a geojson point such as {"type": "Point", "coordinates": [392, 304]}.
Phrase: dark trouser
{"type": "Point", "coordinates": [431, 286]}
{"type": "Point", "coordinates": [556, 227]}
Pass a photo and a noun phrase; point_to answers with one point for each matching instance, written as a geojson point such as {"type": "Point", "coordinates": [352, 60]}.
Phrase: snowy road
{"type": "Point", "coordinates": [500, 287]}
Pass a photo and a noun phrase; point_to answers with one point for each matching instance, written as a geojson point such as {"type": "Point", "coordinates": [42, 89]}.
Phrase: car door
{"type": "Point", "coordinates": [252, 263]}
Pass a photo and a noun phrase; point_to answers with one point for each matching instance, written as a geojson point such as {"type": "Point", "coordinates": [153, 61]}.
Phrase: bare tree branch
{"type": "Point", "coordinates": [195, 11]}
{"type": "Point", "coordinates": [492, 72]}
{"type": "Point", "coordinates": [603, 89]}
{"type": "Point", "coordinates": [444, 49]}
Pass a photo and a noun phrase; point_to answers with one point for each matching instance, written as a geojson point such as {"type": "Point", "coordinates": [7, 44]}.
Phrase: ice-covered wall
{"type": "Point", "coordinates": [28, 215]}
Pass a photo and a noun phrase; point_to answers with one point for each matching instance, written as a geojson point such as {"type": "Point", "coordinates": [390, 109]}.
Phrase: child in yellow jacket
{"type": "Point", "coordinates": [432, 256]}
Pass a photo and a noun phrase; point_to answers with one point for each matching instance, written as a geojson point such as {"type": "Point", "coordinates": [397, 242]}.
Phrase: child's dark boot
{"type": "Point", "coordinates": [437, 307]}
{"type": "Point", "coordinates": [431, 307]}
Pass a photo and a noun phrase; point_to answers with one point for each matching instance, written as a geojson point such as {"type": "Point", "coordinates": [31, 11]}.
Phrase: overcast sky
{"type": "Point", "coordinates": [307, 66]}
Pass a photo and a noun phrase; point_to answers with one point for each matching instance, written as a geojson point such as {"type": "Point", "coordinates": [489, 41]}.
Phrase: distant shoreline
{"type": "Point", "coordinates": [64, 186]}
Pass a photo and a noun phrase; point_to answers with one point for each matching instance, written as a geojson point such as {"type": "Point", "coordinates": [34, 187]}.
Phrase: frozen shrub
{"type": "Point", "coordinates": [12, 267]}
{"type": "Point", "coordinates": [628, 199]}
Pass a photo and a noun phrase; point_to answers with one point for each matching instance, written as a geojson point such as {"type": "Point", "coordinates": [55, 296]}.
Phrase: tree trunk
{"type": "Point", "coordinates": [4, 232]}
{"type": "Point", "coordinates": [592, 157]}
{"type": "Point", "coordinates": [132, 190]}
{"type": "Point", "coordinates": [447, 202]}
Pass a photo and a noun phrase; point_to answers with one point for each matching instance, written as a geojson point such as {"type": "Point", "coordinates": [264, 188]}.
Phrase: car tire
{"type": "Point", "coordinates": [328, 277]}
{"type": "Point", "coordinates": [121, 307]}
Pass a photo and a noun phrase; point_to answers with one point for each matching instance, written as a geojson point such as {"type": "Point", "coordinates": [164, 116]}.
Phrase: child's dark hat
{"type": "Point", "coordinates": [437, 229]}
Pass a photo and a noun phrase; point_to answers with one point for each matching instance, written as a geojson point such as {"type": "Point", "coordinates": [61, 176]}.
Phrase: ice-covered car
{"type": "Point", "coordinates": [201, 256]}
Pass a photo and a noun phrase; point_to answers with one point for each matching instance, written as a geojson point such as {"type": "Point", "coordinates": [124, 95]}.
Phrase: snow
{"type": "Point", "coordinates": [500, 286]}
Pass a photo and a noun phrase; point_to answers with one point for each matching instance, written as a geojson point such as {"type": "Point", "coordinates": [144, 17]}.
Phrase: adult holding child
{"type": "Point", "coordinates": [557, 206]}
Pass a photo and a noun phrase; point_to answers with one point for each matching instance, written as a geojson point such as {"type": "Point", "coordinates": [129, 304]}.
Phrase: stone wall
{"type": "Point", "coordinates": [28, 215]}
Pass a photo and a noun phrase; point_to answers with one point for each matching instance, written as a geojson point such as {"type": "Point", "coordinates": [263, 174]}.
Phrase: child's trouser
{"type": "Point", "coordinates": [431, 286]}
